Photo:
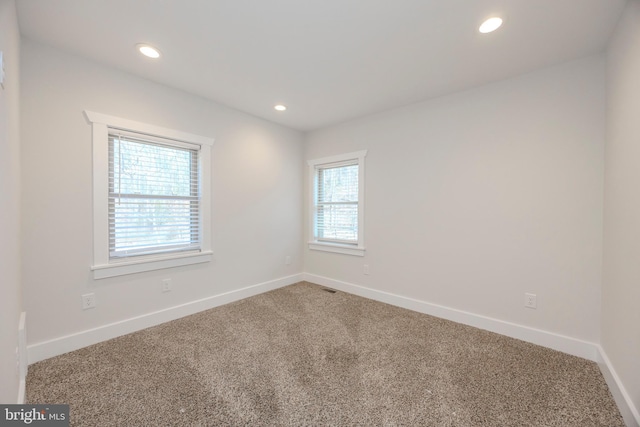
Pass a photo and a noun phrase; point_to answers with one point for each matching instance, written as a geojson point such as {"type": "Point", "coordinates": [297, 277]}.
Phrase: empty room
{"type": "Point", "coordinates": [305, 212]}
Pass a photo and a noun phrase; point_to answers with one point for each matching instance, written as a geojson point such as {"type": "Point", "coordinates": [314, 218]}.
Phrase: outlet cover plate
{"type": "Point", "coordinates": [530, 301]}
{"type": "Point", "coordinates": [88, 301]}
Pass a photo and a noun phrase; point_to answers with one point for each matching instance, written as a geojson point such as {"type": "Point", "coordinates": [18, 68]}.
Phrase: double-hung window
{"type": "Point", "coordinates": [154, 196]}
{"type": "Point", "coordinates": [337, 203]}
{"type": "Point", "coordinates": [151, 197]}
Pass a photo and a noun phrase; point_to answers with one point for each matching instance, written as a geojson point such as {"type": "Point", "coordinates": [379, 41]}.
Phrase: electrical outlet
{"type": "Point", "coordinates": [166, 285]}
{"type": "Point", "coordinates": [365, 269]}
{"type": "Point", "coordinates": [88, 301]}
{"type": "Point", "coordinates": [287, 260]}
{"type": "Point", "coordinates": [530, 301]}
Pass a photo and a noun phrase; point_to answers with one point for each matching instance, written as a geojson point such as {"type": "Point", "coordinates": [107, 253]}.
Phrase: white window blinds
{"type": "Point", "coordinates": [337, 202]}
{"type": "Point", "coordinates": [154, 200]}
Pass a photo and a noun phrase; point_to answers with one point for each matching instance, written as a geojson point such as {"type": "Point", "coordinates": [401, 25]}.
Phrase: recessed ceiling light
{"type": "Point", "coordinates": [280, 107]}
{"type": "Point", "coordinates": [490, 25]}
{"type": "Point", "coordinates": [149, 51]}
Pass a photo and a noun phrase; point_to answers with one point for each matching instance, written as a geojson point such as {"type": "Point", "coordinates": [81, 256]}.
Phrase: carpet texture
{"type": "Point", "coordinates": [301, 355]}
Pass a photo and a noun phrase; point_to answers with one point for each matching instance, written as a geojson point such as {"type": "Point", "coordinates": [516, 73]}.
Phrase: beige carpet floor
{"type": "Point", "coordinates": [302, 356]}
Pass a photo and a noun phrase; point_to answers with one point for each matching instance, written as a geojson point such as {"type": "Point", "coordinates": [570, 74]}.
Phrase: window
{"type": "Point", "coordinates": [337, 203]}
{"type": "Point", "coordinates": [151, 197]}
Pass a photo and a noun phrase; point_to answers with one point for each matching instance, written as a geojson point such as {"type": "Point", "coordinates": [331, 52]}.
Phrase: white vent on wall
{"type": "Point", "coordinates": [22, 356]}
{"type": "Point", "coordinates": [1, 71]}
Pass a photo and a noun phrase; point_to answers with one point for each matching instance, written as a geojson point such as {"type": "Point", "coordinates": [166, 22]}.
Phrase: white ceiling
{"type": "Point", "coordinates": [327, 60]}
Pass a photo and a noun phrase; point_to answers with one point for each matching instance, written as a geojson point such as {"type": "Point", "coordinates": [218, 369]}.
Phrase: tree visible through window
{"type": "Point", "coordinates": [153, 197]}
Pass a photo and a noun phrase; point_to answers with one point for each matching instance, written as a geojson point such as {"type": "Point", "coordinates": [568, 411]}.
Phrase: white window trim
{"type": "Point", "coordinates": [102, 267]}
{"type": "Point", "coordinates": [346, 249]}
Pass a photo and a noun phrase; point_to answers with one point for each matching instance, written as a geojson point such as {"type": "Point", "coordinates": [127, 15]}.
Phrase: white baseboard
{"type": "Point", "coordinates": [22, 357]}
{"type": "Point", "coordinates": [575, 347]}
{"type": "Point", "coordinates": [627, 408]}
{"type": "Point", "coordinates": [22, 390]}
{"type": "Point", "coordinates": [46, 349]}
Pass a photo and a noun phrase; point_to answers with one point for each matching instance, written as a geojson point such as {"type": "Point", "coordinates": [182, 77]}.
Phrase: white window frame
{"type": "Point", "coordinates": [314, 244]}
{"type": "Point", "coordinates": [103, 266]}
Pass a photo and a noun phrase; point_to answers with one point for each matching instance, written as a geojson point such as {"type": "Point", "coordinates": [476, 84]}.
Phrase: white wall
{"type": "Point", "coordinates": [474, 199]}
{"type": "Point", "coordinates": [621, 279]}
{"type": "Point", "coordinates": [10, 290]}
{"type": "Point", "coordinates": [256, 194]}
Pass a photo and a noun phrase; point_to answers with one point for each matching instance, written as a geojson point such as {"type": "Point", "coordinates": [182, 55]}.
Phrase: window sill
{"type": "Point", "coordinates": [149, 264]}
{"type": "Point", "coordinates": [337, 248]}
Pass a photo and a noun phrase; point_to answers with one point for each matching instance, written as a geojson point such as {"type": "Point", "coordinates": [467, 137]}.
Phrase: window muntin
{"type": "Point", "coordinates": [154, 201]}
